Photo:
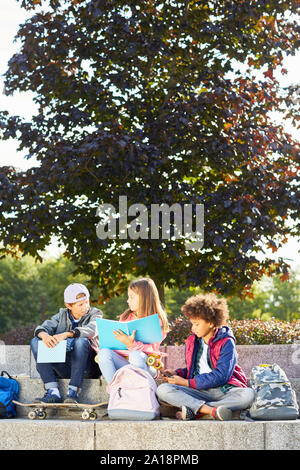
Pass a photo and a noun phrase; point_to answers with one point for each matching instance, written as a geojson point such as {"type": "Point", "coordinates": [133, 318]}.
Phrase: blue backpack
{"type": "Point", "coordinates": [9, 391]}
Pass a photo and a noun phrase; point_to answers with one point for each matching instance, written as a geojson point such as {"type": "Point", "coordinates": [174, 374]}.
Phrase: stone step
{"type": "Point", "coordinates": [60, 433]}
{"type": "Point", "coordinates": [18, 360]}
{"type": "Point", "coordinates": [93, 391]}
{"type": "Point", "coordinates": [54, 434]}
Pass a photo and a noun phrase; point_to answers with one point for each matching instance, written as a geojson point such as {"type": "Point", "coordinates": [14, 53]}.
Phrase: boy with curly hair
{"type": "Point", "coordinates": [212, 382]}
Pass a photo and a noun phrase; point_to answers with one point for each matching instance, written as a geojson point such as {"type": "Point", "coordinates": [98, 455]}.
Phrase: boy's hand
{"type": "Point", "coordinates": [125, 339]}
{"type": "Point", "coordinates": [168, 372]}
{"type": "Point", "coordinates": [49, 340]}
{"type": "Point", "coordinates": [177, 380]}
{"type": "Point", "coordinates": [61, 336]}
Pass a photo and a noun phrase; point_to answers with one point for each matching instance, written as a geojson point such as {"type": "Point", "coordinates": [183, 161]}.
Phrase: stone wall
{"type": "Point", "coordinates": [287, 356]}
{"type": "Point", "coordinates": [18, 360]}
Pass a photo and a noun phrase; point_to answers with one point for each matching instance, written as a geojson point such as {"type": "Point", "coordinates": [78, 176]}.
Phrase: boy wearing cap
{"type": "Point", "coordinates": [77, 324]}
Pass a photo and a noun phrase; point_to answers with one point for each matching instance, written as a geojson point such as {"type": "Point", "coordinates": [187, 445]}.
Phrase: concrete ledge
{"type": "Point", "coordinates": [20, 434]}
{"type": "Point", "coordinates": [93, 391]}
{"type": "Point", "coordinates": [286, 356]}
{"type": "Point", "coordinates": [282, 435]}
{"type": "Point", "coordinates": [18, 360]}
{"type": "Point", "coordinates": [166, 434]}
{"type": "Point", "coordinates": [179, 435]}
{"type": "Point", "coordinates": [54, 434]}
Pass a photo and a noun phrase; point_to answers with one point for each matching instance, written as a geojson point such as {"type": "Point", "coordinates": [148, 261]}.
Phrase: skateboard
{"type": "Point", "coordinates": [167, 410]}
{"type": "Point", "coordinates": [154, 360]}
{"type": "Point", "coordinates": [38, 410]}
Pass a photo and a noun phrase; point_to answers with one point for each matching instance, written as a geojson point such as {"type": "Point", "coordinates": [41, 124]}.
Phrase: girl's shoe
{"type": "Point", "coordinates": [222, 413]}
{"type": "Point", "coordinates": [186, 414]}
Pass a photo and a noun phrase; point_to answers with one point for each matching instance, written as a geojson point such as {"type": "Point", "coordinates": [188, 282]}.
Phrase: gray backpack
{"type": "Point", "coordinates": [274, 397]}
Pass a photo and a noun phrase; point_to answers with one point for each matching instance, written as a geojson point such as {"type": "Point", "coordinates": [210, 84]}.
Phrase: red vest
{"type": "Point", "coordinates": [238, 377]}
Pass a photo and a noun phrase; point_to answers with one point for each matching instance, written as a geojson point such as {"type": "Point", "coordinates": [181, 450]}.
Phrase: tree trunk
{"type": "Point", "coordinates": [161, 290]}
{"type": "Point", "coordinates": [44, 307]}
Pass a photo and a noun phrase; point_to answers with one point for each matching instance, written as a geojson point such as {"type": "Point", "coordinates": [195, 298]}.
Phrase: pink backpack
{"type": "Point", "coordinates": [132, 395]}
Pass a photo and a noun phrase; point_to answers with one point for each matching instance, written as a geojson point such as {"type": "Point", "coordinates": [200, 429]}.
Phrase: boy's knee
{"type": "Point", "coordinates": [34, 344]}
{"type": "Point", "coordinates": [163, 390]}
{"type": "Point", "coordinates": [246, 397]}
{"type": "Point", "coordinates": [249, 397]}
{"type": "Point", "coordinates": [81, 344]}
{"type": "Point", "coordinates": [81, 341]}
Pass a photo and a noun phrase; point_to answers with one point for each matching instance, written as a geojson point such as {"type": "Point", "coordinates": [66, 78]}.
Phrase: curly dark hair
{"type": "Point", "coordinates": [207, 306]}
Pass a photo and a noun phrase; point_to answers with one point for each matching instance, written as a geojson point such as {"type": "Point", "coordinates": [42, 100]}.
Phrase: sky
{"type": "Point", "coordinates": [11, 16]}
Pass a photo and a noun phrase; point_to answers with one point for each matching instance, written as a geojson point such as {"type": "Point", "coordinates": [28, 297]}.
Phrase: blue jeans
{"type": "Point", "coordinates": [79, 364]}
{"type": "Point", "coordinates": [236, 398]}
{"type": "Point", "coordinates": [110, 361]}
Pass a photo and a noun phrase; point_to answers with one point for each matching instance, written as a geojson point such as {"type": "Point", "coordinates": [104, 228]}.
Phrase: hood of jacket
{"type": "Point", "coordinates": [222, 333]}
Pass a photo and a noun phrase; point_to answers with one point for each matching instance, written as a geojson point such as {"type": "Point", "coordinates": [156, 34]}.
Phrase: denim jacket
{"type": "Point", "coordinates": [61, 323]}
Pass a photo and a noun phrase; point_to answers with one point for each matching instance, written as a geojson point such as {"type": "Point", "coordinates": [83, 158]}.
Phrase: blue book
{"type": "Point", "coordinates": [148, 330]}
{"type": "Point", "coordinates": [56, 354]}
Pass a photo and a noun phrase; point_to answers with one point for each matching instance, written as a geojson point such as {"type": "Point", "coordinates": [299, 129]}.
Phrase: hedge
{"type": "Point", "coordinates": [273, 331]}
{"type": "Point", "coordinates": [19, 335]}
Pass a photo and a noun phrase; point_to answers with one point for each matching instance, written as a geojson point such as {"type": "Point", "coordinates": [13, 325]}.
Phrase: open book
{"type": "Point", "coordinates": [148, 330]}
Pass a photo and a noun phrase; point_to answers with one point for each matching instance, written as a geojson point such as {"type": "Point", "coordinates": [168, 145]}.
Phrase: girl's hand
{"type": "Point", "coordinates": [125, 339]}
{"type": "Point", "coordinates": [177, 380]}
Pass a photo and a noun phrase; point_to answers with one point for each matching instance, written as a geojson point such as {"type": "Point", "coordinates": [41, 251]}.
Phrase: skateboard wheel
{"type": "Point", "coordinates": [85, 415]}
{"type": "Point", "coordinates": [93, 415]}
{"type": "Point", "coordinates": [158, 364]}
{"type": "Point", "coordinates": [96, 359]}
{"type": "Point", "coordinates": [151, 361]}
{"type": "Point", "coordinates": [32, 415]}
{"type": "Point", "coordinates": [41, 414]}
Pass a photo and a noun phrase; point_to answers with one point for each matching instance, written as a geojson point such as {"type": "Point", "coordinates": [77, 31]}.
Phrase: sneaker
{"type": "Point", "coordinates": [49, 397]}
{"type": "Point", "coordinates": [186, 414]}
{"type": "Point", "coordinates": [72, 396]}
{"type": "Point", "coordinates": [222, 413]}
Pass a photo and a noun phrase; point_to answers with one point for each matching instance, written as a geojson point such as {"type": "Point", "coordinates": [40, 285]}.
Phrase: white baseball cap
{"type": "Point", "coordinates": [72, 291]}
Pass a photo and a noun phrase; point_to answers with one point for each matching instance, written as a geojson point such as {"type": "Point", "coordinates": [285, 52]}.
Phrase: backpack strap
{"type": "Point", "coordinates": [4, 372]}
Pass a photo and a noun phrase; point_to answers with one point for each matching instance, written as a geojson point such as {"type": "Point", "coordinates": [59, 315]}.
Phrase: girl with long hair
{"type": "Point", "coordinates": [143, 300]}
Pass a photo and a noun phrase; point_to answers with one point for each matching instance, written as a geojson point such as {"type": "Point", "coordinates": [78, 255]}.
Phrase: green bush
{"type": "Point", "coordinates": [245, 331]}
{"type": "Point", "coordinates": [180, 328]}
{"type": "Point", "coordinates": [272, 331]}
{"type": "Point", "coordinates": [19, 335]}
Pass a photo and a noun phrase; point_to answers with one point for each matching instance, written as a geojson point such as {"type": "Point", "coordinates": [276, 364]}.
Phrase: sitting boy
{"type": "Point", "coordinates": [77, 324]}
{"type": "Point", "coordinates": [212, 383]}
